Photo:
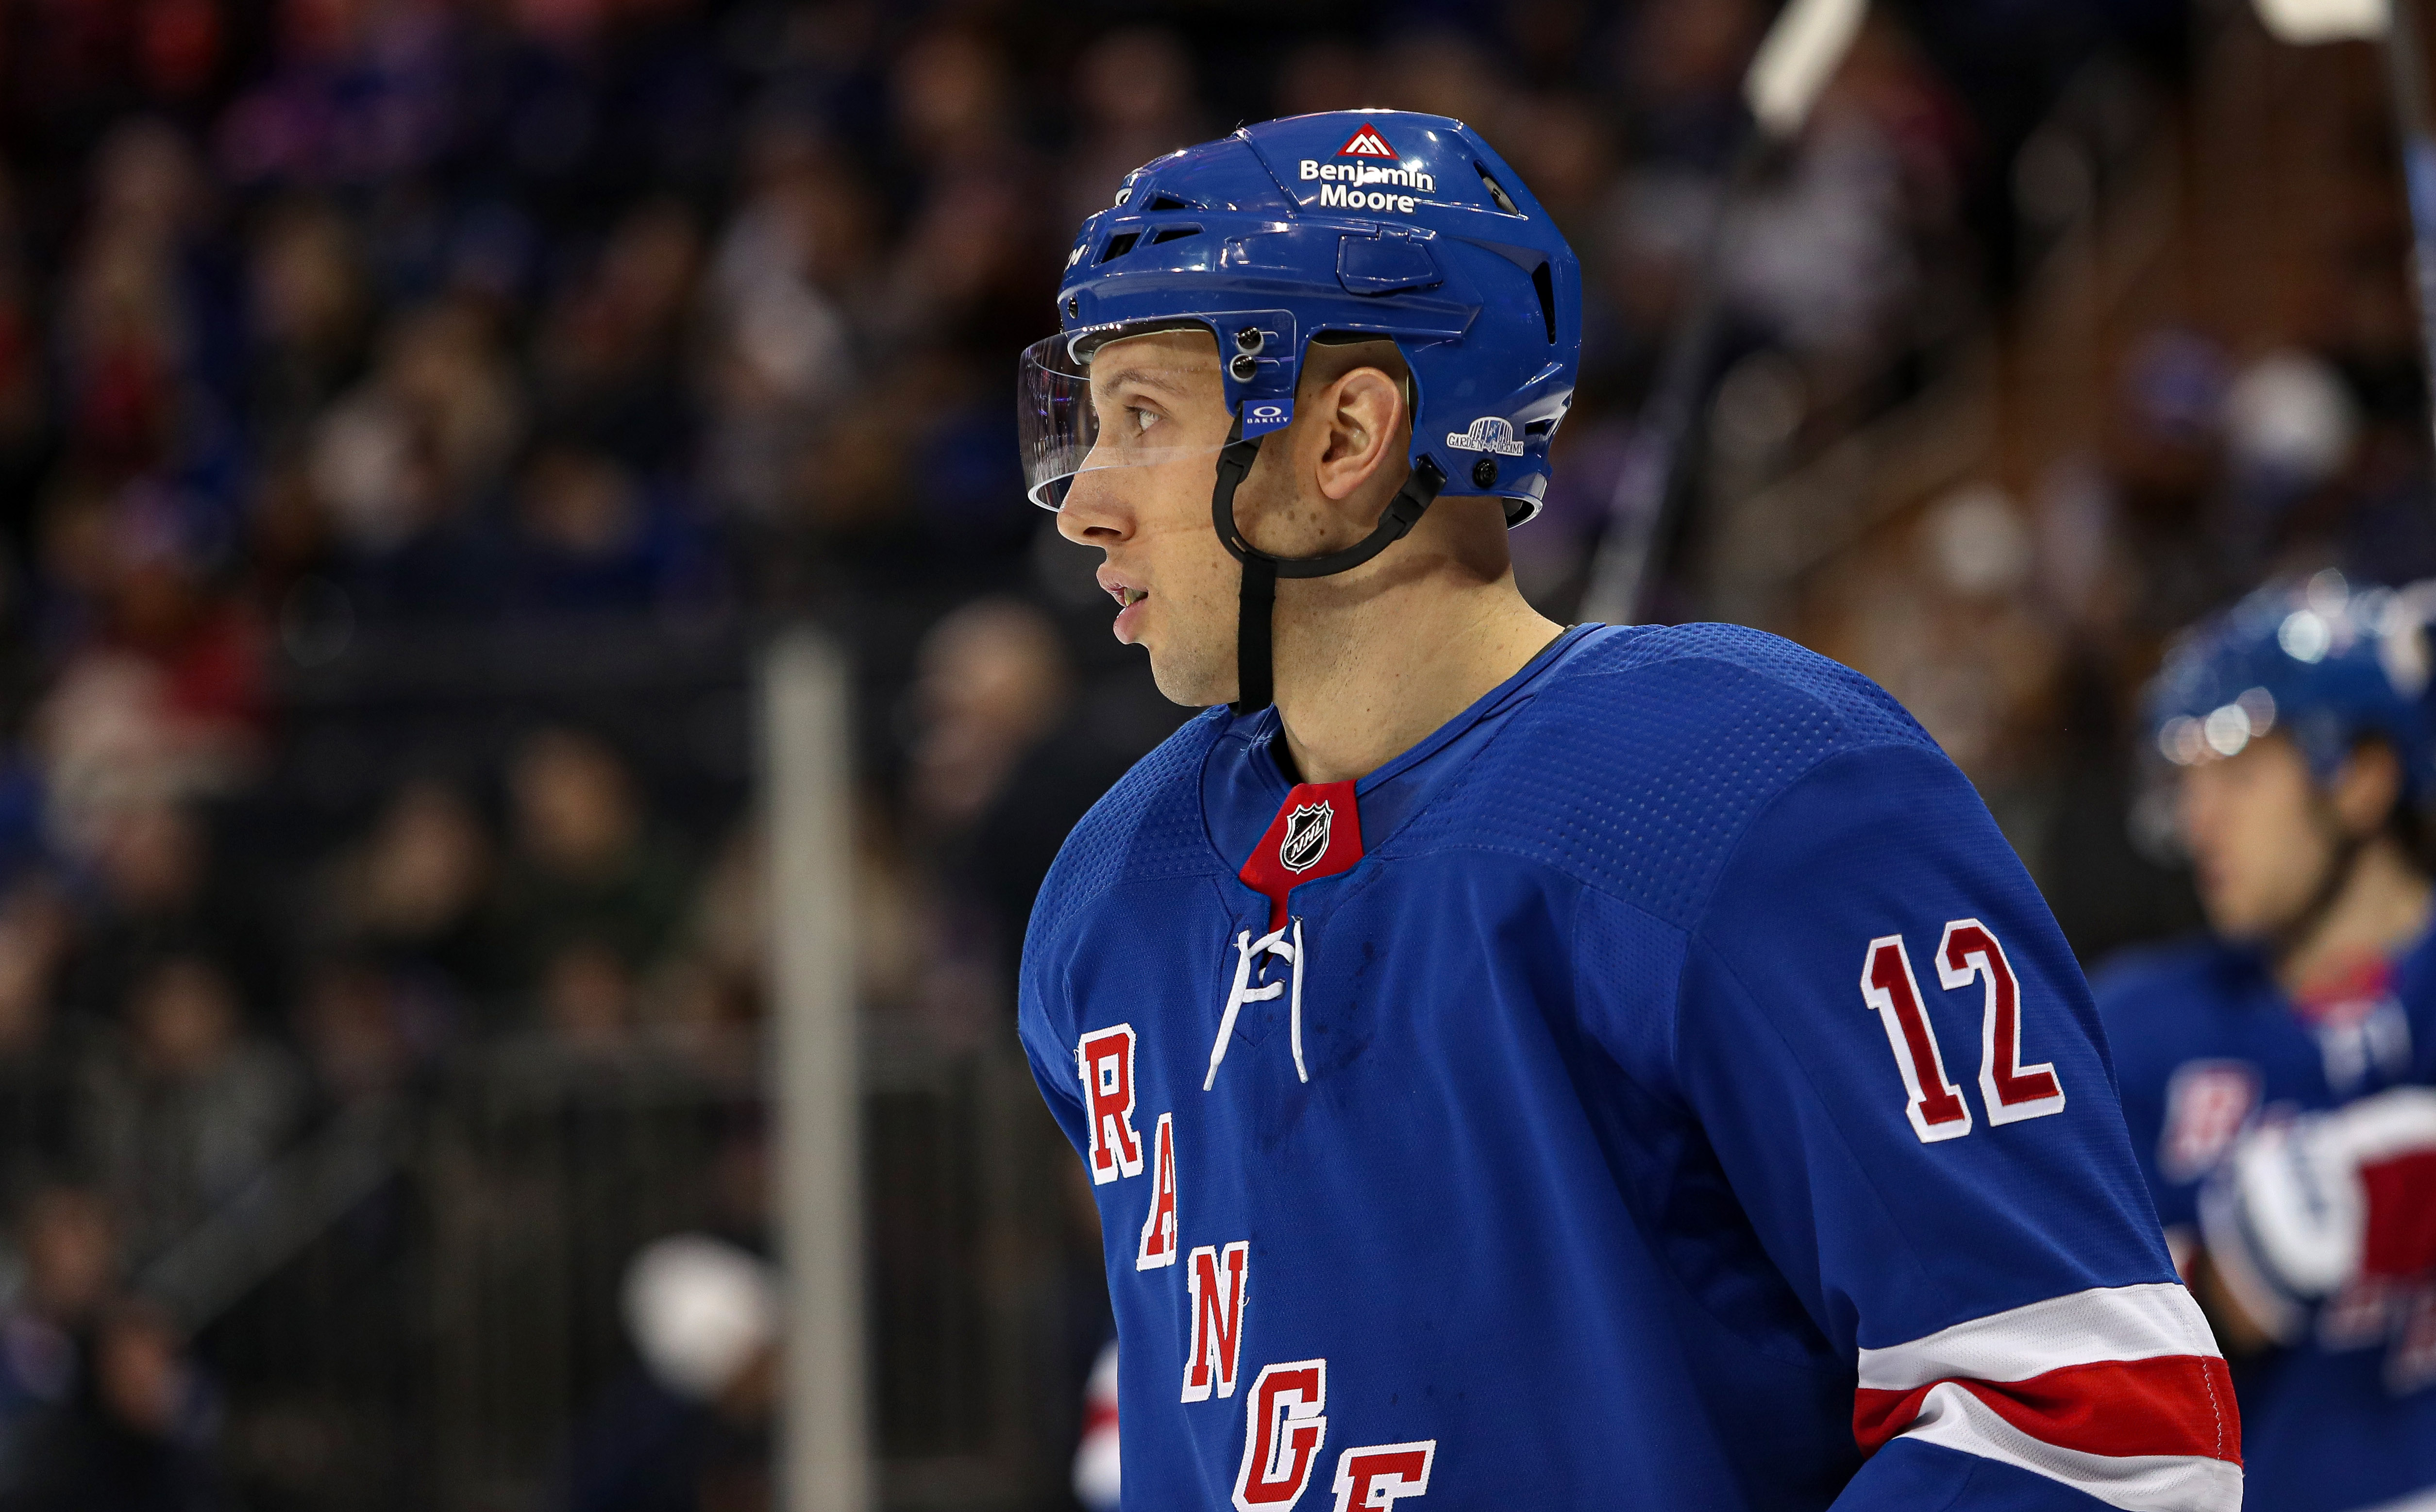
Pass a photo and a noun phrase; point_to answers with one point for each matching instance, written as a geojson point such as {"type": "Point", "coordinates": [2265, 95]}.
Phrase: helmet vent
{"type": "Point", "coordinates": [1169, 201]}
{"type": "Point", "coordinates": [1496, 190]}
{"type": "Point", "coordinates": [1119, 244]}
{"type": "Point", "coordinates": [1175, 234]}
{"type": "Point", "coordinates": [1545, 283]}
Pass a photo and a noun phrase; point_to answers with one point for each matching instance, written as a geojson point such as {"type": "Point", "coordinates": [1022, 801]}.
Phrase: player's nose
{"type": "Point", "coordinates": [1094, 513]}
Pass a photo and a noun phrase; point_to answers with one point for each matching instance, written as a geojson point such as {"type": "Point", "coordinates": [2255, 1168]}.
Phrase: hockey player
{"type": "Point", "coordinates": [1520, 1066]}
{"type": "Point", "coordinates": [2274, 1077]}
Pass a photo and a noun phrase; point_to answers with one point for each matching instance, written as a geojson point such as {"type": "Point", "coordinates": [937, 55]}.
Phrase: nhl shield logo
{"type": "Point", "coordinates": [1306, 839]}
{"type": "Point", "coordinates": [1489, 433]}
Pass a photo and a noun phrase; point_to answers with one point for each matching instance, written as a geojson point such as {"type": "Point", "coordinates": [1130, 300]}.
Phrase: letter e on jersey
{"type": "Point", "coordinates": [1215, 1303]}
{"type": "Point", "coordinates": [1107, 1061]}
{"type": "Point", "coordinates": [1159, 1229]}
{"type": "Point", "coordinates": [1382, 1474]}
{"type": "Point", "coordinates": [1283, 1432]}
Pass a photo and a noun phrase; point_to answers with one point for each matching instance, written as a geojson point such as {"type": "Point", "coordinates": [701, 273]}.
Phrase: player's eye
{"type": "Point", "coordinates": [1144, 420]}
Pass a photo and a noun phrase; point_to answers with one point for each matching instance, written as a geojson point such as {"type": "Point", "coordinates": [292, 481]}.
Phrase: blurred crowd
{"type": "Point", "coordinates": [330, 325]}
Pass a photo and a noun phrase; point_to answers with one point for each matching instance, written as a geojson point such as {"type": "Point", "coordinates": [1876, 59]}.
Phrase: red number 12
{"type": "Point", "coordinates": [2010, 1090]}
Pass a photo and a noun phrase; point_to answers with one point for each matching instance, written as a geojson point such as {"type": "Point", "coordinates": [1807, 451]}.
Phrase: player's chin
{"type": "Point", "coordinates": [1193, 679]}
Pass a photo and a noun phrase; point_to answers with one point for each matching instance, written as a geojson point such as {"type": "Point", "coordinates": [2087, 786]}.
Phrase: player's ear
{"type": "Point", "coordinates": [2367, 786]}
{"type": "Point", "coordinates": [1363, 418]}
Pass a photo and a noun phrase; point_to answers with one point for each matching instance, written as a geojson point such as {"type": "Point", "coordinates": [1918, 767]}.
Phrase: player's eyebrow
{"type": "Point", "coordinates": [1156, 379]}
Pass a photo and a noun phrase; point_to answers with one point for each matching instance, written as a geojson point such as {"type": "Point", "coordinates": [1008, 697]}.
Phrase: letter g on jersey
{"type": "Point", "coordinates": [1283, 1431]}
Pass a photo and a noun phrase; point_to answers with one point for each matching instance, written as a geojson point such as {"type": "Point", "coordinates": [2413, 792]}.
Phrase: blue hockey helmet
{"type": "Point", "coordinates": [2327, 665]}
{"type": "Point", "coordinates": [1378, 224]}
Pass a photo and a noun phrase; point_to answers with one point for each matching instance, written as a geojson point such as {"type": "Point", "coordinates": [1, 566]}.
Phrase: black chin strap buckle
{"type": "Point", "coordinates": [1256, 618]}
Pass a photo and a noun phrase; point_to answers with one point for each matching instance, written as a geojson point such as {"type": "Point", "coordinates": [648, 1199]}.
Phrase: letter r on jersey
{"type": "Point", "coordinates": [1382, 1474]}
{"type": "Point", "coordinates": [1107, 1062]}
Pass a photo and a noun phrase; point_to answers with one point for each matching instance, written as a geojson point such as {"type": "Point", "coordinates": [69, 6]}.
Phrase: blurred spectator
{"type": "Point", "coordinates": [400, 460]}
{"type": "Point", "coordinates": [993, 681]}
{"type": "Point", "coordinates": [309, 310]}
{"type": "Point", "coordinates": [781, 348]}
{"type": "Point", "coordinates": [589, 885]}
{"type": "Point", "coordinates": [154, 897]}
{"type": "Point", "coordinates": [186, 1105]}
{"type": "Point", "coordinates": [136, 1435]}
{"type": "Point", "coordinates": [611, 355]}
{"type": "Point", "coordinates": [689, 1431]}
{"type": "Point", "coordinates": [410, 893]}
{"type": "Point", "coordinates": [67, 1243]}
{"type": "Point", "coordinates": [361, 1038]}
{"type": "Point", "coordinates": [587, 996]}
{"type": "Point", "coordinates": [37, 1051]}
{"type": "Point", "coordinates": [593, 537]}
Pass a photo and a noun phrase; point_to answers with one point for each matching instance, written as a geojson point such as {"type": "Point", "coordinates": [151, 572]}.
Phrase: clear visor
{"type": "Point", "coordinates": [1118, 396]}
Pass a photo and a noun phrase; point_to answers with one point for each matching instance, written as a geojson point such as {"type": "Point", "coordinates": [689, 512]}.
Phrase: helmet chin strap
{"type": "Point", "coordinates": [1254, 624]}
{"type": "Point", "coordinates": [2343, 855]}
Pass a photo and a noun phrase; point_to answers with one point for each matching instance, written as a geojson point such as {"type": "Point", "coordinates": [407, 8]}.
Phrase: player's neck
{"type": "Point", "coordinates": [1361, 679]}
{"type": "Point", "coordinates": [2378, 909]}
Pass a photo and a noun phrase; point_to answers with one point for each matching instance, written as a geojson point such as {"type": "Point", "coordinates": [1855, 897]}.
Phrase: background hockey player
{"type": "Point", "coordinates": [1518, 1066]}
{"type": "Point", "coordinates": [2275, 1077]}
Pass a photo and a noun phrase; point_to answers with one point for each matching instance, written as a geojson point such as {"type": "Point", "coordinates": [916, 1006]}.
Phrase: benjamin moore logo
{"type": "Point", "coordinates": [1306, 838]}
{"type": "Point", "coordinates": [1489, 433]}
{"type": "Point", "coordinates": [1365, 143]}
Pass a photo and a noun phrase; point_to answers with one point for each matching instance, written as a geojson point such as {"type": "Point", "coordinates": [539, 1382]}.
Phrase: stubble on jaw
{"type": "Point", "coordinates": [1193, 661]}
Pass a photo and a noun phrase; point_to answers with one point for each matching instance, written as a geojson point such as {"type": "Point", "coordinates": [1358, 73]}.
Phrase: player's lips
{"type": "Point", "coordinates": [1130, 597]}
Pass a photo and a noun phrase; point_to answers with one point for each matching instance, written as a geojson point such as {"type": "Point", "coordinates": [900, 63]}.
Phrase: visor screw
{"type": "Point", "coordinates": [1249, 338]}
{"type": "Point", "coordinates": [1484, 473]}
{"type": "Point", "coordinates": [1242, 368]}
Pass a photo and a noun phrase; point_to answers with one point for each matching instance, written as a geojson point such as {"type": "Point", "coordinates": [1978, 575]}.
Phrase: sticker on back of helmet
{"type": "Point", "coordinates": [1365, 143]}
{"type": "Point", "coordinates": [1489, 433]}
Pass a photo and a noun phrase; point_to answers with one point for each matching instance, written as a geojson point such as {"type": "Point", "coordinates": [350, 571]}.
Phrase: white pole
{"type": "Point", "coordinates": [806, 781]}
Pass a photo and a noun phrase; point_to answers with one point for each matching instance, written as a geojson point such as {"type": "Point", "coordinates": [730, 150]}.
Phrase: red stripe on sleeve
{"type": "Point", "coordinates": [2174, 1404]}
{"type": "Point", "coordinates": [2401, 1239]}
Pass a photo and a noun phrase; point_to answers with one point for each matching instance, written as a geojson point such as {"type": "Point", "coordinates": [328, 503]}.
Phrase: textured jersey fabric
{"type": "Point", "coordinates": [1559, 1153]}
{"type": "Point", "coordinates": [2207, 1045]}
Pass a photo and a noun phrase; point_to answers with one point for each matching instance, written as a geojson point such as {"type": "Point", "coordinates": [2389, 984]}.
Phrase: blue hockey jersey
{"type": "Point", "coordinates": [2206, 1043]}
{"type": "Point", "coordinates": [1661, 1087]}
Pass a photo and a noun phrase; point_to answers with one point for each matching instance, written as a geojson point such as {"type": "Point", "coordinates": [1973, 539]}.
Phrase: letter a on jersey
{"type": "Point", "coordinates": [1159, 1229]}
{"type": "Point", "coordinates": [1365, 143]}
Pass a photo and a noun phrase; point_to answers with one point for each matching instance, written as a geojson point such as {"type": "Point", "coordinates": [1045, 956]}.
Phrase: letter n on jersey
{"type": "Point", "coordinates": [1216, 1309]}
